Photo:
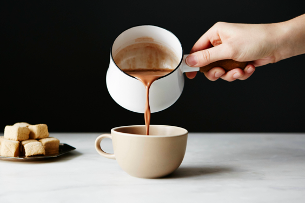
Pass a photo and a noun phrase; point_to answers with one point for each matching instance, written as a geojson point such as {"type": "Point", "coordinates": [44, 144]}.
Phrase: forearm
{"type": "Point", "coordinates": [292, 38]}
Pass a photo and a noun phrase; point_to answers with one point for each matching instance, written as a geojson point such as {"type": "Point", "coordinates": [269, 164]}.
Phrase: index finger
{"type": "Point", "coordinates": [203, 42]}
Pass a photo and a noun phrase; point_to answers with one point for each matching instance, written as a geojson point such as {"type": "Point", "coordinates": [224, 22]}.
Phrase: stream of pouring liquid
{"type": "Point", "coordinates": [147, 77]}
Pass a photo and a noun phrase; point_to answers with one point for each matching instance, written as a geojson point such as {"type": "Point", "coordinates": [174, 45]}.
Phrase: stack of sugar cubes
{"type": "Point", "coordinates": [23, 139]}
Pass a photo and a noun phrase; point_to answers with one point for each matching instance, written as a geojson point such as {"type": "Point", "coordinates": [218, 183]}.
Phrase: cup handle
{"type": "Point", "coordinates": [98, 146]}
{"type": "Point", "coordinates": [227, 64]}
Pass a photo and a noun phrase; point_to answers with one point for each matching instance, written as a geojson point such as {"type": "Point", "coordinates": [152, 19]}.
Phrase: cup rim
{"type": "Point", "coordinates": [181, 58]}
{"type": "Point", "coordinates": [148, 136]}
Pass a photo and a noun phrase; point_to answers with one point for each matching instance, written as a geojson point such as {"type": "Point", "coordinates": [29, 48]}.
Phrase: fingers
{"type": "Point", "coordinates": [191, 75]}
{"type": "Point", "coordinates": [215, 73]}
{"type": "Point", "coordinates": [202, 43]}
{"type": "Point", "coordinates": [233, 75]}
{"type": "Point", "coordinates": [207, 56]}
{"type": "Point", "coordinates": [248, 71]}
{"type": "Point", "coordinates": [237, 73]}
{"type": "Point", "coordinates": [230, 76]}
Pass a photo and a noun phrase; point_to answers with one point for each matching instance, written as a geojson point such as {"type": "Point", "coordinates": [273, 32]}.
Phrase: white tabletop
{"type": "Point", "coordinates": [216, 168]}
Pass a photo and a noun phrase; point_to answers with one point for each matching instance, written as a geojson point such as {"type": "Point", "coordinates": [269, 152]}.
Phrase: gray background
{"type": "Point", "coordinates": [55, 54]}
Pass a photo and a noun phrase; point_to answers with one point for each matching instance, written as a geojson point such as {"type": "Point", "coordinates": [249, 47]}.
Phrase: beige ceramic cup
{"type": "Point", "coordinates": [146, 156]}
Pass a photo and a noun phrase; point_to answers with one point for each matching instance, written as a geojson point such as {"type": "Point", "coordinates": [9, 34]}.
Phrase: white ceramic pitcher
{"type": "Point", "coordinates": [130, 93]}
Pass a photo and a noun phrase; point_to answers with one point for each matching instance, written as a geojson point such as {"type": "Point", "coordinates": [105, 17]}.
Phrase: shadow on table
{"type": "Point", "coordinates": [65, 157]}
{"type": "Point", "coordinates": [192, 171]}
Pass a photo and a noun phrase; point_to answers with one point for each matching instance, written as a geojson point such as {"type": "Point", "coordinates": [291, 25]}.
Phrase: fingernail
{"type": "Point", "coordinates": [236, 75]}
{"type": "Point", "coordinates": [191, 60]}
{"type": "Point", "coordinates": [250, 70]}
{"type": "Point", "coordinates": [218, 74]}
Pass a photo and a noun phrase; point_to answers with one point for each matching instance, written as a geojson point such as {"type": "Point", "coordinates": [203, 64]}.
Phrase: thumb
{"type": "Point", "coordinates": [207, 56]}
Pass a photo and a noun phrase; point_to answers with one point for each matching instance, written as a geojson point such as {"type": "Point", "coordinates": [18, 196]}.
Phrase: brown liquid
{"type": "Point", "coordinates": [146, 56]}
{"type": "Point", "coordinates": [146, 61]}
{"type": "Point", "coordinates": [147, 78]}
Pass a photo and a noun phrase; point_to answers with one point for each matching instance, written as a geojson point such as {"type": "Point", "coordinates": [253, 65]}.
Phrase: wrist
{"type": "Point", "coordinates": [290, 41]}
{"type": "Point", "coordinates": [282, 40]}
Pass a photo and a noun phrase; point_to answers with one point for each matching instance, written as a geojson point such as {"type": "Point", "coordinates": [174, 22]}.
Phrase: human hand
{"type": "Point", "coordinates": [256, 43]}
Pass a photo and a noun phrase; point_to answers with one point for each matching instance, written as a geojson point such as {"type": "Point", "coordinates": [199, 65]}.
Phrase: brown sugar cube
{"type": "Point", "coordinates": [22, 124]}
{"type": "Point", "coordinates": [34, 148]}
{"type": "Point", "coordinates": [51, 145]}
{"type": "Point", "coordinates": [9, 148]}
{"type": "Point", "coordinates": [1, 138]}
{"type": "Point", "coordinates": [21, 146]}
{"type": "Point", "coordinates": [15, 132]}
{"type": "Point", "coordinates": [38, 131]}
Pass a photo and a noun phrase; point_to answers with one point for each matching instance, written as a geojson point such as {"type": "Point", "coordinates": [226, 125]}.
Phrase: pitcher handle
{"type": "Point", "coordinates": [227, 64]}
